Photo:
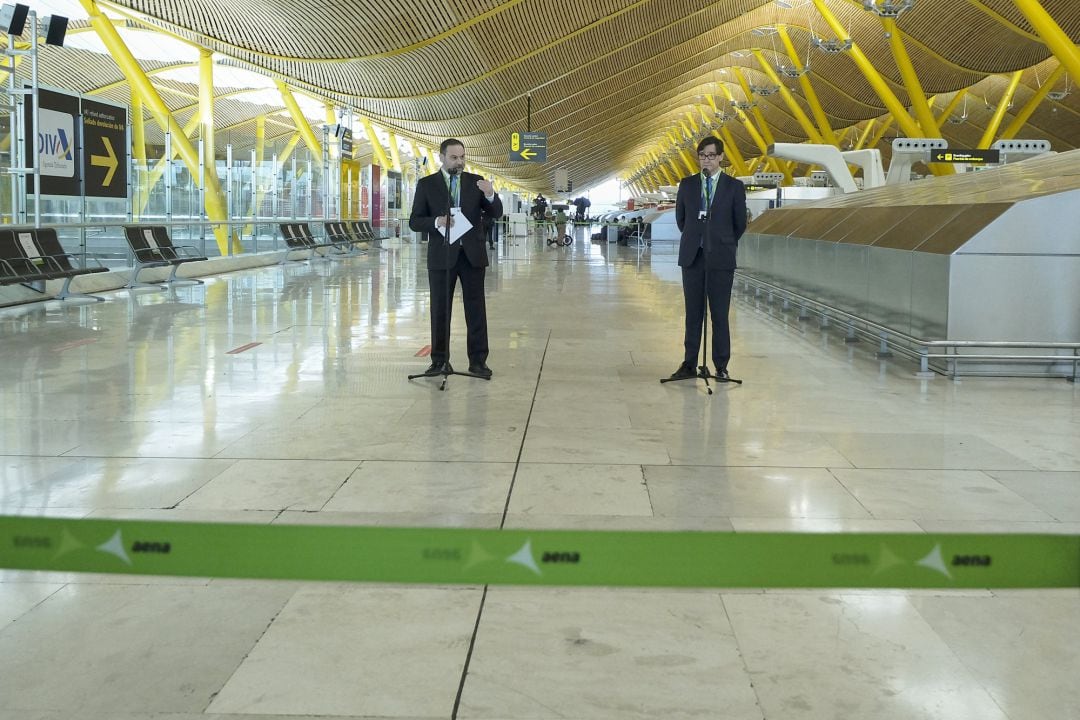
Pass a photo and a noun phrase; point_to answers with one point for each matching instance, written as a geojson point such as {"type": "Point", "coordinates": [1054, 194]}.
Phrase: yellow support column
{"type": "Point", "coordinates": [953, 104]}
{"type": "Point", "coordinates": [1056, 39]}
{"type": "Point", "coordinates": [290, 146]}
{"type": "Point", "coordinates": [1002, 108]}
{"type": "Point", "coordinates": [881, 133]}
{"type": "Point", "coordinates": [206, 111]}
{"type": "Point", "coordinates": [376, 146]}
{"type": "Point", "coordinates": [925, 116]}
{"type": "Point", "coordinates": [827, 133]}
{"type": "Point", "coordinates": [892, 103]}
{"type": "Point", "coordinates": [302, 125]}
{"type": "Point", "coordinates": [763, 125]}
{"type": "Point", "coordinates": [260, 150]}
{"type": "Point", "coordinates": [745, 119]}
{"type": "Point", "coordinates": [801, 117]}
{"type": "Point", "coordinates": [1026, 112]}
{"type": "Point", "coordinates": [159, 168]}
{"type": "Point", "coordinates": [865, 133]}
{"type": "Point", "coordinates": [138, 148]}
{"type": "Point", "coordinates": [395, 152]}
{"type": "Point", "coordinates": [732, 151]}
{"type": "Point", "coordinates": [140, 83]}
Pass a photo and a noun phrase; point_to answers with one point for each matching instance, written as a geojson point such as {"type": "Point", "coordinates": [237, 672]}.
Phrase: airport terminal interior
{"type": "Point", "coordinates": [212, 301]}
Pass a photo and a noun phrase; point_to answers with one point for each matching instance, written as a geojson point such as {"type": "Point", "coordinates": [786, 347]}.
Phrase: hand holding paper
{"type": "Point", "coordinates": [459, 224]}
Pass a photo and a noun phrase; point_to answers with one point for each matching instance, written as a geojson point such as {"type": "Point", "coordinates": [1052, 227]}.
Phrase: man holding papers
{"type": "Point", "coordinates": [449, 206]}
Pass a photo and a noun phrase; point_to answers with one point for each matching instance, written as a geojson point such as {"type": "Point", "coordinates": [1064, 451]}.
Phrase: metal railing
{"type": "Point", "coordinates": [922, 349]}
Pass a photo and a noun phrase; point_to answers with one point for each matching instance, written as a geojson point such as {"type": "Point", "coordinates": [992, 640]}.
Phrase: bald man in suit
{"type": "Point", "coordinates": [465, 259]}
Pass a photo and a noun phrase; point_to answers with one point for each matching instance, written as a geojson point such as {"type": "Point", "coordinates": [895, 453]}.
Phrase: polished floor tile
{"type": "Point", "coordinates": [825, 656]}
{"type": "Point", "coordinates": [136, 408]}
{"type": "Point", "coordinates": [380, 486]}
{"type": "Point", "coordinates": [128, 649]}
{"type": "Point", "coordinates": [1023, 648]}
{"type": "Point", "coordinates": [272, 485]}
{"type": "Point", "coordinates": [922, 450]}
{"type": "Point", "coordinates": [606, 654]}
{"type": "Point", "coordinates": [937, 495]}
{"type": "Point", "coordinates": [369, 652]}
{"type": "Point", "coordinates": [747, 492]}
{"type": "Point", "coordinates": [544, 489]}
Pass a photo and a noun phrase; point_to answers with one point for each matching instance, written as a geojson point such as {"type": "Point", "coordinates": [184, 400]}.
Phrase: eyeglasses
{"type": "Point", "coordinates": [708, 156]}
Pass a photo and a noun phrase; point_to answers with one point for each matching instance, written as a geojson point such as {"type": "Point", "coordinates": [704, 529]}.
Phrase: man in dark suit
{"type": "Point", "coordinates": [465, 258]}
{"type": "Point", "coordinates": [710, 210]}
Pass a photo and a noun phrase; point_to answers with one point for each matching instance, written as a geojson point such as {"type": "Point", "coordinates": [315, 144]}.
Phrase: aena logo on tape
{"type": "Point", "coordinates": [56, 132]}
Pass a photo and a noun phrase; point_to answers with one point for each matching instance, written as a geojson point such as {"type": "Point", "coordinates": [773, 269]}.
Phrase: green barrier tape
{"type": "Point", "coordinates": [540, 557]}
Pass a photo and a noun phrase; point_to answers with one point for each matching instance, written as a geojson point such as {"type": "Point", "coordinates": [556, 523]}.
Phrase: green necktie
{"type": "Point", "coordinates": [454, 200]}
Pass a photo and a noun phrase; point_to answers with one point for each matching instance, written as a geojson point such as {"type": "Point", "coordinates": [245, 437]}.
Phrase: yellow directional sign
{"type": "Point", "coordinates": [108, 160]}
{"type": "Point", "coordinates": [528, 147]}
{"type": "Point", "coordinates": [105, 149]}
{"type": "Point", "coordinates": [966, 156]}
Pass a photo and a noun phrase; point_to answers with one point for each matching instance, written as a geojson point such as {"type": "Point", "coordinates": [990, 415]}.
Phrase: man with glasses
{"type": "Point", "coordinates": [710, 210]}
{"type": "Point", "coordinates": [466, 257]}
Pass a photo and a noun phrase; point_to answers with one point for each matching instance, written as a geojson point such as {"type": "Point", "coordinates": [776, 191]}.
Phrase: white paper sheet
{"type": "Point", "coordinates": [460, 226]}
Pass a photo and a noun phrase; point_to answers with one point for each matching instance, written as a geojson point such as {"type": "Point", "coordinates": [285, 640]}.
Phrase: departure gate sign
{"type": "Point", "coordinates": [966, 156]}
{"type": "Point", "coordinates": [528, 147]}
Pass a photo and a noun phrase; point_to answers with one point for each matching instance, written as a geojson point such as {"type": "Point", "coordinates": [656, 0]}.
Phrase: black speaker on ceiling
{"type": "Point", "coordinates": [56, 29]}
{"type": "Point", "coordinates": [13, 18]}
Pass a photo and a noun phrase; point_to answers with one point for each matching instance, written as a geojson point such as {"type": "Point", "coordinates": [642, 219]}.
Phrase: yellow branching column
{"type": "Point", "coordinates": [302, 125]}
{"type": "Point", "coordinates": [260, 152]}
{"type": "Point", "coordinates": [376, 146]}
{"type": "Point", "coordinates": [206, 115]}
{"type": "Point", "coordinates": [395, 152]}
{"type": "Point", "coordinates": [881, 88]}
{"type": "Point", "coordinates": [1002, 108]}
{"type": "Point", "coordinates": [138, 150]}
{"type": "Point", "coordinates": [1051, 33]}
{"type": "Point", "coordinates": [927, 122]}
{"type": "Point", "coordinates": [827, 133]}
{"type": "Point", "coordinates": [812, 133]}
{"type": "Point", "coordinates": [1026, 112]}
{"type": "Point", "coordinates": [140, 83]}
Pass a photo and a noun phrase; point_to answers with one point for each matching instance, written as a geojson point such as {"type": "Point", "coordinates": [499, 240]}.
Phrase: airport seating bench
{"type": "Point", "coordinates": [153, 247]}
{"type": "Point", "coordinates": [31, 256]}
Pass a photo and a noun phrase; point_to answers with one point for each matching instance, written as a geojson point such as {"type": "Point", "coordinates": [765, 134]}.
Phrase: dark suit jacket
{"type": "Point", "coordinates": [432, 200]}
{"type": "Point", "coordinates": [727, 220]}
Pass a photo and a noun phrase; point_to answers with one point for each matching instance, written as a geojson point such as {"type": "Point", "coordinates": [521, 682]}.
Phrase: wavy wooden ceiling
{"type": "Point", "coordinates": [608, 77]}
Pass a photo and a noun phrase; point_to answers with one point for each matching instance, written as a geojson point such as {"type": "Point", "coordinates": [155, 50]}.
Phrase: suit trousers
{"type": "Point", "coordinates": [472, 296]}
{"type": "Point", "coordinates": [719, 288]}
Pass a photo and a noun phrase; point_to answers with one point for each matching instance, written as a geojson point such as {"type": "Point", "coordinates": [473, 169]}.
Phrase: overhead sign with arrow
{"type": "Point", "coordinates": [528, 147]}
{"type": "Point", "coordinates": [105, 152]}
{"type": "Point", "coordinates": [965, 156]}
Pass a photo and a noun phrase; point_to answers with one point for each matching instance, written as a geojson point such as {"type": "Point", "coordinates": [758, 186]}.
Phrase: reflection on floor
{"type": "Point", "coordinates": [136, 408]}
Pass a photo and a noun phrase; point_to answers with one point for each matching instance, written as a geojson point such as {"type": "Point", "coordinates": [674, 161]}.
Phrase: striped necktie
{"type": "Point", "coordinates": [454, 199]}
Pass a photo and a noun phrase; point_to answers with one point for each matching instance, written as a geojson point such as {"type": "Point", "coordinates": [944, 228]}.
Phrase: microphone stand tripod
{"type": "Point", "coordinates": [703, 369]}
{"type": "Point", "coordinates": [446, 370]}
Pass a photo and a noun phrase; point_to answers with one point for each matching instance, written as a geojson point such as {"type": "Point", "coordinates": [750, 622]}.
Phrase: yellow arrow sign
{"type": "Point", "coordinates": [527, 153]}
{"type": "Point", "coordinates": [107, 160]}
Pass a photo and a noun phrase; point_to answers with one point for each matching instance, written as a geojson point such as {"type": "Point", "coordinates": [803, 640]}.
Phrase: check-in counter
{"type": "Point", "coordinates": [988, 256]}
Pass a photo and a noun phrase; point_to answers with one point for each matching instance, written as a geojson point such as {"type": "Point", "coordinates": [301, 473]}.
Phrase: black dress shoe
{"type": "Point", "coordinates": [685, 371]}
{"type": "Point", "coordinates": [722, 373]}
{"type": "Point", "coordinates": [480, 368]}
{"type": "Point", "coordinates": [438, 368]}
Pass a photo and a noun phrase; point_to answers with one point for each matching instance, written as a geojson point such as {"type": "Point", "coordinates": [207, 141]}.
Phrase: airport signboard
{"type": "Point", "coordinates": [965, 156]}
{"type": "Point", "coordinates": [105, 159]}
{"type": "Point", "coordinates": [528, 147]}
